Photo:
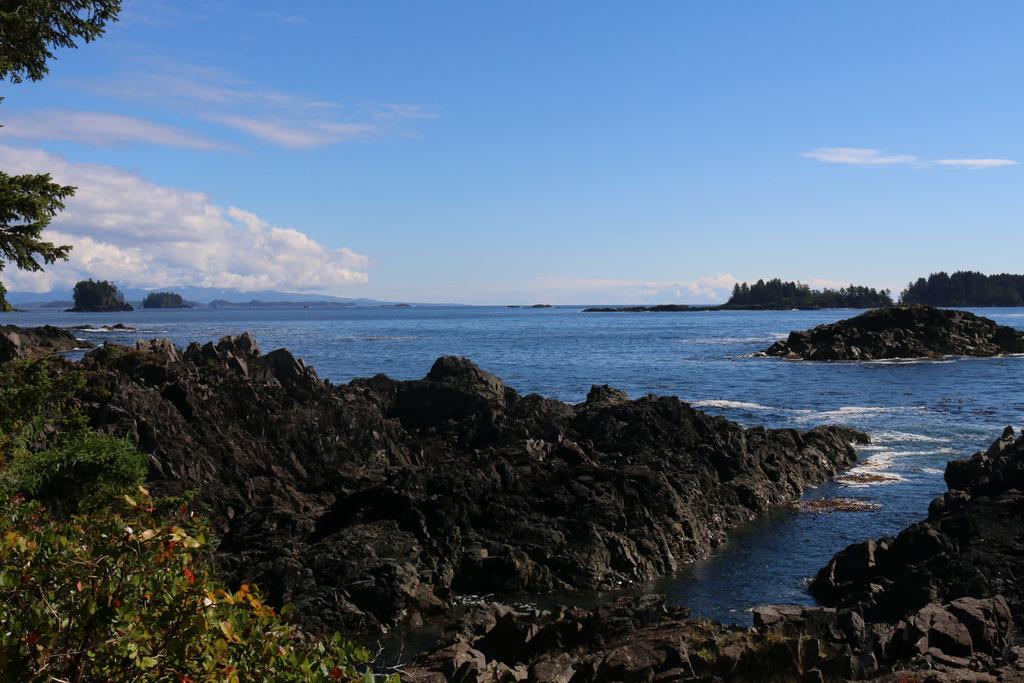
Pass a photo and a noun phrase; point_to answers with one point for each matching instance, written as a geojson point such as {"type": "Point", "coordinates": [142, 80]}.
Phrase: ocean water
{"type": "Point", "coordinates": [920, 414]}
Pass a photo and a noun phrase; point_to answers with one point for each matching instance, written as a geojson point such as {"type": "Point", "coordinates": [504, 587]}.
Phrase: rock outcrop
{"type": "Point", "coordinates": [33, 342]}
{"type": "Point", "coordinates": [940, 602]}
{"type": "Point", "coordinates": [906, 331]}
{"type": "Point", "coordinates": [641, 639]}
{"type": "Point", "coordinates": [377, 502]}
{"type": "Point", "coordinates": [970, 546]}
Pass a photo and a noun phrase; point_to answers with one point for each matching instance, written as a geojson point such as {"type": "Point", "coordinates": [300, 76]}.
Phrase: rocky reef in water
{"type": "Point", "coordinates": [940, 602]}
{"type": "Point", "coordinates": [33, 342]}
{"type": "Point", "coordinates": [906, 331]}
{"type": "Point", "coordinates": [378, 502]}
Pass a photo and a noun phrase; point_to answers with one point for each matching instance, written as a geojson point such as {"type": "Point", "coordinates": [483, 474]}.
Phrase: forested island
{"type": "Point", "coordinates": [164, 300]}
{"type": "Point", "coordinates": [99, 296]}
{"type": "Point", "coordinates": [775, 295]}
{"type": "Point", "coordinates": [966, 288]}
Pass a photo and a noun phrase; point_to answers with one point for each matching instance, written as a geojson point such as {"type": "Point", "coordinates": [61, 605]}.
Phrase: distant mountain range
{"type": "Point", "coordinates": [202, 296]}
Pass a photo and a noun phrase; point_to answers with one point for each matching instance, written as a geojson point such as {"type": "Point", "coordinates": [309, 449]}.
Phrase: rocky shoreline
{"type": "Point", "coordinates": [940, 602]}
{"type": "Point", "coordinates": [905, 331]}
{"type": "Point", "coordinates": [377, 503]}
{"type": "Point", "coordinates": [33, 342]}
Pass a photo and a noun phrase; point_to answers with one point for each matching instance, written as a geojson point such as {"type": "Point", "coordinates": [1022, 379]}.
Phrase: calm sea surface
{"type": "Point", "coordinates": [920, 414]}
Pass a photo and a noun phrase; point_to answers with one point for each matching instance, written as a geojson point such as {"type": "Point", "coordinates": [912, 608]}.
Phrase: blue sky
{"type": "Point", "coordinates": [570, 152]}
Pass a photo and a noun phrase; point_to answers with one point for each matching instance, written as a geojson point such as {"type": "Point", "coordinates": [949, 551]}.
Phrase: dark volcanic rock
{"type": "Point", "coordinates": [641, 639]}
{"type": "Point", "coordinates": [970, 546]}
{"type": "Point", "coordinates": [32, 342]}
{"type": "Point", "coordinates": [938, 603]}
{"type": "Point", "coordinates": [908, 331]}
{"type": "Point", "coordinates": [379, 500]}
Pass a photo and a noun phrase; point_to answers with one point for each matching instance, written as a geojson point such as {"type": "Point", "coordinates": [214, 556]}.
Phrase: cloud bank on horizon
{"type": "Point", "coordinates": [141, 234]}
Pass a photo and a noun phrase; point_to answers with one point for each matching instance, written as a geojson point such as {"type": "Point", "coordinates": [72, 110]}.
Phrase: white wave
{"type": "Point", "coordinates": [936, 451]}
{"type": "Point", "coordinates": [721, 403]}
{"type": "Point", "coordinates": [893, 436]}
{"type": "Point", "coordinates": [932, 470]}
{"type": "Point", "coordinates": [847, 412]}
{"type": "Point", "coordinates": [872, 471]}
{"type": "Point", "coordinates": [105, 330]}
{"type": "Point", "coordinates": [851, 480]}
{"type": "Point", "coordinates": [881, 460]}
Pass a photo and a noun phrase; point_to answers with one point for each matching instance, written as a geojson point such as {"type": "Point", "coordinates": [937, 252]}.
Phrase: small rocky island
{"type": "Point", "coordinates": [98, 296]}
{"type": "Point", "coordinates": [164, 300]}
{"type": "Point", "coordinates": [905, 331]}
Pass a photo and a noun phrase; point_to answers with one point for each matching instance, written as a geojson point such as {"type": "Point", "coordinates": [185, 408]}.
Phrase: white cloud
{"type": "Point", "coordinates": [280, 118]}
{"type": "Point", "coordinates": [102, 130]}
{"type": "Point", "coordinates": [976, 163]}
{"type": "Point", "coordinates": [140, 234]}
{"type": "Point", "coordinates": [861, 156]}
{"type": "Point", "coordinates": [295, 134]}
{"type": "Point", "coordinates": [710, 289]}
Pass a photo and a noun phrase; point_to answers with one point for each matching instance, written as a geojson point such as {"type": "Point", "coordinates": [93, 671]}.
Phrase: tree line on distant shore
{"type": "Point", "coordinates": [962, 288]}
{"type": "Point", "coordinates": [966, 288]}
{"type": "Point", "coordinates": [776, 293]}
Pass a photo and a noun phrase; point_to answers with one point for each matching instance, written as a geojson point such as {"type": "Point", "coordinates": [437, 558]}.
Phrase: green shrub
{"type": "Point", "coordinates": [128, 595]}
{"type": "Point", "coordinates": [47, 451]}
{"type": "Point", "coordinates": [37, 404]}
{"type": "Point", "coordinates": [82, 472]}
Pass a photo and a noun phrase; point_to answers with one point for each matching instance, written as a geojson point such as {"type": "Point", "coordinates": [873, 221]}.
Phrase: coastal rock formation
{"type": "Point", "coordinates": [116, 327]}
{"type": "Point", "coordinates": [379, 501]}
{"type": "Point", "coordinates": [940, 602]}
{"type": "Point", "coordinates": [32, 342]}
{"type": "Point", "coordinates": [970, 546]}
{"type": "Point", "coordinates": [907, 331]}
{"type": "Point", "coordinates": [642, 639]}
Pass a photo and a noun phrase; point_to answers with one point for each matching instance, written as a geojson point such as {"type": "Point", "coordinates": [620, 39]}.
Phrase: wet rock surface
{"type": "Point", "coordinates": [33, 342]}
{"type": "Point", "coordinates": [906, 331]}
{"type": "Point", "coordinates": [970, 546]}
{"type": "Point", "coordinates": [378, 502]}
{"type": "Point", "coordinates": [940, 602]}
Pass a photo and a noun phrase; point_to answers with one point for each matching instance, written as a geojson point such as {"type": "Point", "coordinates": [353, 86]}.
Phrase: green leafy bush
{"type": "Point", "coordinates": [82, 472]}
{"type": "Point", "coordinates": [48, 452]}
{"type": "Point", "coordinates": [129, 595]}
